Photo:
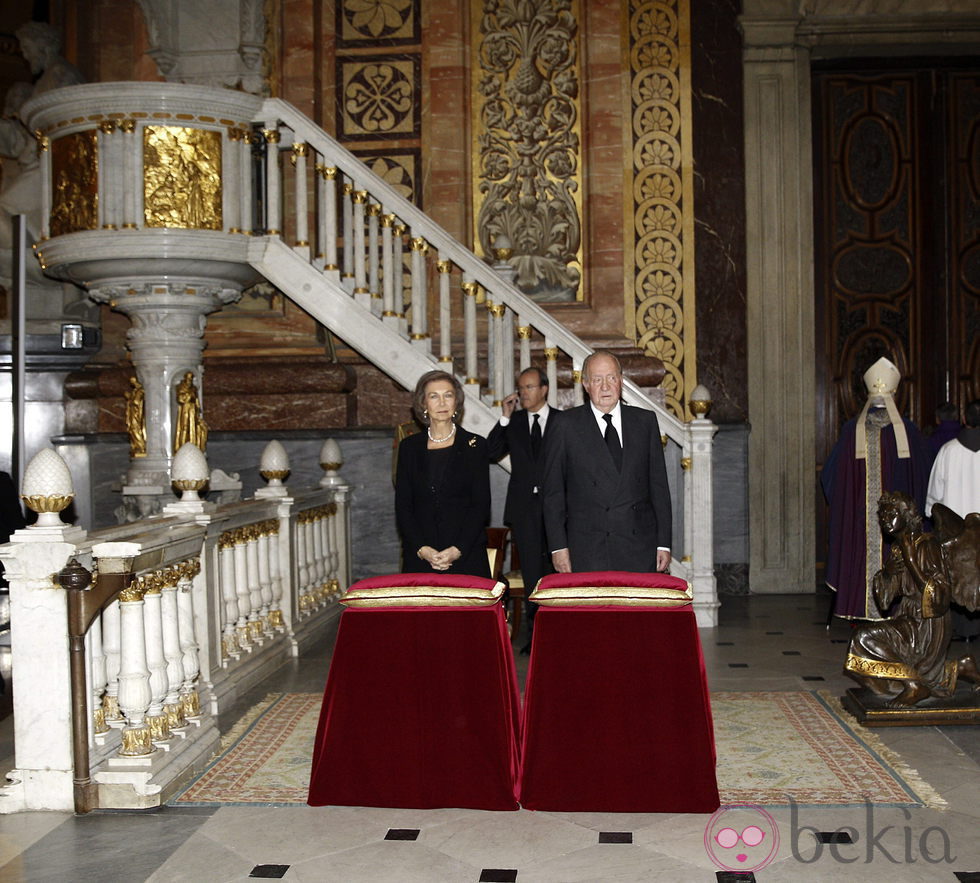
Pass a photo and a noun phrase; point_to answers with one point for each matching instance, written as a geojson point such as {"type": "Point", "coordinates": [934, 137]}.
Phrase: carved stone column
{"type": "Point", "coordinates": [166, 340]}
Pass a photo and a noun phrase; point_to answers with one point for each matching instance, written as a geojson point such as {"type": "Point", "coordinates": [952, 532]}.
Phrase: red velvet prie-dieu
{"type": "Point", "coordinates": [421, 707]}
{"type": "Point", "coordinates": [616, 712]}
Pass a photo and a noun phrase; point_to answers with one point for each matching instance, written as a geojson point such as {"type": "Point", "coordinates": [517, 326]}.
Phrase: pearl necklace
{"type": "Point", "coordinates": [439, 441]}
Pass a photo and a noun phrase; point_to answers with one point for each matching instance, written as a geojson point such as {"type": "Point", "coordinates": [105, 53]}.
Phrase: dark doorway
{"type": "Point", "coordinates": [897, 237]}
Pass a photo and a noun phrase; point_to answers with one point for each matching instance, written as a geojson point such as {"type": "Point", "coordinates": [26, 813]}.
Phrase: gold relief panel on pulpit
{"type": "Point", "coordinates": [74, 183]}
{"type": "Point", "coordinates": [182, 177]}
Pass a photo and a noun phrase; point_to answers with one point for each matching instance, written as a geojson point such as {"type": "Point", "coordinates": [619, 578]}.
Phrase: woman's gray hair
{"type": "Point", "coordinates": [418, 398]}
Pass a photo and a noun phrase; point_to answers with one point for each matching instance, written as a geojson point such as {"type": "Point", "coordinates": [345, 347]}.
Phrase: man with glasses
{"type": "Point", "coordinates": [521, 434]}
{"type": "Point", "coordinates": [606, 498]}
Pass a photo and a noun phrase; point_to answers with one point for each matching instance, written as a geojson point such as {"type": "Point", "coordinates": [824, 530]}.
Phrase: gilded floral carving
{"type": "Point", "coordinates": [661, 241]}
{"type": "Point", "coordinates": [528, 163]}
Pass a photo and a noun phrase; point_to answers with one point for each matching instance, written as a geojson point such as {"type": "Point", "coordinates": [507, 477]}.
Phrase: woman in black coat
{"type": "Point", "coordinates": [442, 485]}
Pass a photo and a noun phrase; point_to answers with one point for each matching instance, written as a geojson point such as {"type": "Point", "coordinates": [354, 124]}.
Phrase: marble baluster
{"type": "Point", "coordinates": [509, 372]}
{"type": "Point", "coordinates": [347, 276]}
{"type": "Point", "coordinates": [132, 173]}
{"type": "Point", "coordinates": [524, 335]}
{"type": "Point", "coordinates": [469, 331]}
{"type": "Point", "coordinates": [134, 675]}
{"type": "Point", "coordinates": [231, 201]}
{"type": "Point", "coordinates": [242, 626]}
{"type": "Point", "coordinates": [445, 314]}
{"type": "Point", "coordinates": [226, 573]}
{"type": "Point", "coordinates": [398, 259]}
{"type": "Point", "coordinates": [551, 369]}
{"type": "Point", "coordinates": [389, 315]}
{"type": "Point", "coordinates": [265, 577]}
{"type": "Point", "coordinates": [44, 157]}
{"type": "Point", "coordinates": [257, 614]}
{"type": "Point", "coordinates": [97, 675]}
{"type": "Point", "coordinates": [189, 699]}
{"type": "Point", "coordinates": [298, 158]}
{"type": "Point", "coordinates": [156, 661]}
{"type": "Point", "coordinates": [361, 293]}
{"type": "Point", "coordinates": [110, 189]}
{"type": "Point", "coordinates": [245, 181]}
{"type": "Point", "coordinates": [273, 183]}
{"type": "Point", "coordinates": [374, 271]}
{"type": "Point", "coordinates": [319, 574]}
{"type": "Point", "coordinates": [302, 564]}
{"type": "Point", "coordinates": [329, 212]}
{"type": "Point", "coordinates": [420, 295]}
{"type": "Point", "coordinates": [275, 575]}
{"type": "Point", "coordinates": [172, 651]}
{"type": "Point", "coordinates": [111, 648]}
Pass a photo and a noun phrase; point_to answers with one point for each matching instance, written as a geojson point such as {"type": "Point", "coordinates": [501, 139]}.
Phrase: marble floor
{"type": "Point", "coordinates": [763, 643]}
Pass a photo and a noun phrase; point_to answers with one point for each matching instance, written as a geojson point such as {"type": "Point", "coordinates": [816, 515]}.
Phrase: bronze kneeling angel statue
{"type": "Point", "coordinates": [902, 659]}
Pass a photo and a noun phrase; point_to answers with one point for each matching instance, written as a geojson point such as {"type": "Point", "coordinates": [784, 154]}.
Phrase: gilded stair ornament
{"type": "Point", "coordinates": [182, 177]}
{"type": "Point", "coordinates": [528, 165]}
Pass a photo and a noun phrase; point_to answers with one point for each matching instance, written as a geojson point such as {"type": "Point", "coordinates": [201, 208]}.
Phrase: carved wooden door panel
{"type": "Point", "coordinates": [897, 239]}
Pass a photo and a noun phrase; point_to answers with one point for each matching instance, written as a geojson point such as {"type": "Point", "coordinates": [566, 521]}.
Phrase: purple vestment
{"type": "Point", "coordinates": [857, 550]}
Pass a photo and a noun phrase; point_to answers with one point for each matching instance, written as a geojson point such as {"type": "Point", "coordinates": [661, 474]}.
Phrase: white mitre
{"type": "Point", "coordinates": [881, 381]}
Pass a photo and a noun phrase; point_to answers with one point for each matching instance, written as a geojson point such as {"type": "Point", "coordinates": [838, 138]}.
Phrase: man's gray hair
{"type": "Point", "coordinates": [589, 358]}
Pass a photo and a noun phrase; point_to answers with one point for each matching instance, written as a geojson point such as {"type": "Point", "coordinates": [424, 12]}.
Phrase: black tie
{"type": "Point", "coordinates": [536, 436]}
{"type": "Point", "coordinates": [612, 442]}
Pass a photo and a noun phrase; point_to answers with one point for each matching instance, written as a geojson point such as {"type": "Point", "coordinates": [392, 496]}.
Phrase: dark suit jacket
{"type": "Point", "coordinates": [453, 513]}
{"type": "Point", "coordinates": [523, 508]}
{"type": "Point", "coordinates": [607, 519]}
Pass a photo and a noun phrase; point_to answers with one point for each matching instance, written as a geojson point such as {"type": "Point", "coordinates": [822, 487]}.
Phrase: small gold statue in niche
{"type": "Point", "coordinates": [182, 177]}
{"type": "Point", "coordinates": [190, 421]}
{"type": "Point", "coordinates": [136, 418]}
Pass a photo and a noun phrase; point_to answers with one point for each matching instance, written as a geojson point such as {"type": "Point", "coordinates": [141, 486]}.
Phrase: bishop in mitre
{"type": "Point", "coordinates": [877, 451]}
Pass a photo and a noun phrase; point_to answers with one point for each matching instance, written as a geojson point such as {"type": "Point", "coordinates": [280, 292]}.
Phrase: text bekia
{"type": "Point", "coordinates": [896, 844]}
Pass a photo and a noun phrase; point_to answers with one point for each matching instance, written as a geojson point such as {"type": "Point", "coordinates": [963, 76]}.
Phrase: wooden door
{"type": "Point", "coordinates": [897, 238]}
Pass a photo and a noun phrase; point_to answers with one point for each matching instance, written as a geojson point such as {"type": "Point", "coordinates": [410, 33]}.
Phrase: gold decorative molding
{"type": "Point", "coordinates": [74, 183]}
{"type": "Point", "coordinates": [659, 216]}
{"type": "Point", "coordinates": [527, 169]}
{"type": "Point", "coordinates": [182, 177]}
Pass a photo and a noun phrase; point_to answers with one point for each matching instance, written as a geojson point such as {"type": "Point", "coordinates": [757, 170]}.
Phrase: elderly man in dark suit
{"type": "Point", "coordinates": [521, 434]}
{"type": "Point", "coordinates": [606, 499]}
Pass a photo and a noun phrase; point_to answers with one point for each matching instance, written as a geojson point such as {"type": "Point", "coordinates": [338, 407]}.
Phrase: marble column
{"type": "Point", "coordinates": [166, 341]}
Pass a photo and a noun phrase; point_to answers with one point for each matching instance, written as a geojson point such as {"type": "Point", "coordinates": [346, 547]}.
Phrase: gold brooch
{"type": "Point", "coordinates": [472, 441]}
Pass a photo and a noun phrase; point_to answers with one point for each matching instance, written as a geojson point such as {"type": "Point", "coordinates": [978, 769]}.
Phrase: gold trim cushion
{"type": "Point", "coordinates": [612, 588]}
{"type": "Point", "coordinates": [422, 590]}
